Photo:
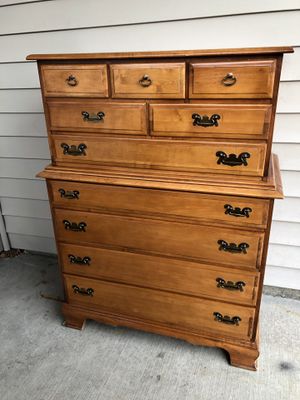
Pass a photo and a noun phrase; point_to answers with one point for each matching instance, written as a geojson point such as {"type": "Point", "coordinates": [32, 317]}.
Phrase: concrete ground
{"type": "Point", "coordinates": [42, 360]}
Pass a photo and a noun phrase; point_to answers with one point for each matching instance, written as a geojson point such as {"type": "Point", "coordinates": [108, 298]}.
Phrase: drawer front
{"type": "Point", "coordinates": [75, 80]}
{"type": "Point", "coordinates": [240, 80]}
{"type": "Point", "coordinates": [160, 273]}
{"type": "Point", "coordinates": [182, 240]}
{"type": "Point", "coordinates": [208, 120]}
{"type": "Point", "coordinates": [148, 80]}
{"type": "Point", "coordinates": [98, 117]}
{"type": "Point", "coordinates": [234, 210]}
{"type": "Point", "coordinates": [233, 158]}
{"type": "Point", "coordinates": [161, 307]}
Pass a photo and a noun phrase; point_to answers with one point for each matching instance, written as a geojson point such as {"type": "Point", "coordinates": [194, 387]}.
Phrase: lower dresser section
{"type": "Point", "coordinates": [198, 315]}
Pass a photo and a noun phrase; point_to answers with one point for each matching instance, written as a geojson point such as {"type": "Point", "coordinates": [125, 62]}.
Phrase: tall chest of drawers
{"type": "Point", "coordinates": [162, 186]}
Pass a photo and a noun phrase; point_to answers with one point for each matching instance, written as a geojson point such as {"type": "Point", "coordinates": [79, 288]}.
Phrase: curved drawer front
{"type": "Point", "coordinates": [149, 80]}
{"type": "Point", "coordinates": [181, 240]}
{"type": "Point", "coordinates": [75, 80]}
{"type": "Point", "coordinates": [234, 210]}
{"type": "Point", "coordinates": [185, 277]}
{"type": "Point", "coordinates": [99, 117]}
{"type": "Point", "coordinates": [240, 80]}
{"type": "Point", "coordinates": [210, 120]}
{"type": "Point", "coordinates": [234, 158]}
{"type": "Point", "coordinates": [185, 312]}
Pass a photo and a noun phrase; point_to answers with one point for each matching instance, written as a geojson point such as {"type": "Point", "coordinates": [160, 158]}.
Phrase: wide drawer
{"type": "Point", "coordinates": [75, 80]}
{"type": "Point", "coordinates": [149, 80]}
{"type": "Point", "coordinates": [185, 277]}
{"type": "Point", "coordinates": [210, 120]}
{"type": "Point", "coordinates": [193, 156]}
{"type": "Point", "coordinates": [234, 210]}
{"type": "Point", "coordinates": [99, 117]}
{"type": "Point", "coordinates": [240, 79]}
{"type": "Point", "coordinates": [181, 240]}
{"type": "Point", "coordinates": [184, 312]}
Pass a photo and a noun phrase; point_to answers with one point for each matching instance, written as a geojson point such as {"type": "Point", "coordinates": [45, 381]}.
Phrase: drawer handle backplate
{"type": "Point", "coordinates": [232, 247]}
{"type": "Point", "coordinates": [72, 81]}
{"type": "Point", "coordinates": [229, 79]}
{"type": "Point", "coordinates": [79, 260]}
{"type": "Point", "coordinates": [73, 226]}
{"type": "Point", "coordinates": [69, 194]}
{"type": "Point", "coordinates": [145, 81]}
{"type": "Point", "coordinates": [229, 285]}
{"type": "Point", "coordinates": [237, 211]}
{"type": "Point", "coordinates": [83, 291]}
{"type": "Point", "coordinates": [93, 118]}
{"type": "Point", "coordinates": [205, 121]}
{"type": "Point", "coordinates": [232, 159]}
{"type": "Point", "coordinates": [74, 150]}
{"type": "Point", "coordinates": [226, 319]}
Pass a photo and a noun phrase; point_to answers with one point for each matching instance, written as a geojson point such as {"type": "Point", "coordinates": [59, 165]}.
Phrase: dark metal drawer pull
{"type": "Point", "coordinates": [232, 247]}
{"type": "Point", "coordinates": [229, 79]}
{"type": "Point", "coordinates": [237, 211]}
{"type": "Point", "coordinates": [74, 150]}
{"type": "Point", "coordinates": [73, 226]}
{"type": "Point", "coordinates": [93, 118]}
{"type": "Point", "coordinates": [79, 260]}
{"type": "Point", "coordinates": [83, 291]}
{"type": "Point", "coordinates": [205, 121]}
{"type": "Point", "coordinates": [145, 81]}
{"type": "Point", "coordinates": [69, 194]}
{"type": "Point", "coordinates": [226, 319]}
{"type": "Point", "coordinates": [232, 159]}
{"type": "Point", "coordinates": [72, 81]}
{"type": "Point", "coordinates": [229, 285]}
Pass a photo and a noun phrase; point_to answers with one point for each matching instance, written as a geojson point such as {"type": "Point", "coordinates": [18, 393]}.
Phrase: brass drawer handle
{"type": "Point", "coordinates": [74, 150]}
{"type": "Point", "coordinates": [69, 194]}
{"type": "Point", "coordinates": [72, 81]}
{"type": "Point", "coordinates": [145, 81]}
{"type": "Point", "coordinates": [229, 285]}
{"type": "Point", "coordinates": [79, 260]}
{"type": "Point", "coordinates": [226, 319]}
{"type": "Point", "coordinates": [205, 121]}
{"type": "Point", "coordinates": [73, 226]}
{"type": "Point", "coordinates": [229, 79]}
{"type": "Point", "coordinates": [83, 291]}
{"type": "Point", "coordinates": [232, 247]}
{"type": "Point", "coordinates": [237, 211]}
{"type": "Point", "coordinates": [93, 118]}
{"type": "Point", "coordinates": [232, 159]}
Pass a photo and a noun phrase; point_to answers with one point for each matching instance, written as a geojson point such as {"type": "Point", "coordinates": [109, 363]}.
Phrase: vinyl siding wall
{"type": "Point", "coordinates": [136, 25]}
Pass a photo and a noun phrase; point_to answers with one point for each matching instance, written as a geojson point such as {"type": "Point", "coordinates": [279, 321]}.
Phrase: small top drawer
{"type": "Point", "coordinates": [240, 80]}
{"type": "Point", "coordinates": [150, 80]}
{"type": "Point", "coordinates": [75, 80]}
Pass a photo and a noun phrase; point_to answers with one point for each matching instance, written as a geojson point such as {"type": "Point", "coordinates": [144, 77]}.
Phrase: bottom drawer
{"type": "Point", "coordinates": [170, 309]}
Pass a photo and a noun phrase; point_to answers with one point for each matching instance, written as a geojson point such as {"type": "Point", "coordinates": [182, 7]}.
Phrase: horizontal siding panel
{"type": "Point", "coordinates": [176, 35]}
{"type": "Point", "coordinates": [19, 75]}
{"type": "Point", "coordinates": [288, 154]}
{"type": "Point", "coordinates": [289, 97]}
{"type": "Point", "coordinates": [25, 100]}
{"type": "Point", "coordinates": [287, 233]}
{"type": "Point", "coordinates": [290, 180]}
{"type": "Point", "coordinates": [14, 2]}
{"type": "Point", "coordinates": [25, 208]}
{"type": "Point", "coordinates": [47, 16]}
{"type": "Point", "coordinates": [33, 243]}
{"type": "Point", "coordinates": [23, 188]}
{"type": "Point", "coordinates": [22, 124]}
{"type": "Point", "coordinates": [290, 66]}
{"type": "Point", "coordinates": [29, 226]}
{"type": "Point", "coordinates": [282, 277]}
{"type": "Point", "coordinates": [21, 168]}
{"type": "Point", "coordinates": [284, 256]}
{"type": "Point", "coordinates": [24, 147]}
{"type": "Point", "coordinates": [287, 209]}
{"type": "Point", "coordinates": [287, 128]}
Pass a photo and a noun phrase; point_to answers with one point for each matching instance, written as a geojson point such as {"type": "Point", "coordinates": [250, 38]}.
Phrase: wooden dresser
{"type": "Point", "coordinates": [162, 186]}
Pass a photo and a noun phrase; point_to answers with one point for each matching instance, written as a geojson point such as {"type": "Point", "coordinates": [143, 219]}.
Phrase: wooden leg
{"type": "Point", "coordinates": [73, 322]}
{"type": "Point", "coordinates": [243, 357]}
